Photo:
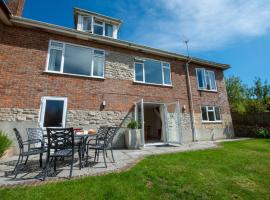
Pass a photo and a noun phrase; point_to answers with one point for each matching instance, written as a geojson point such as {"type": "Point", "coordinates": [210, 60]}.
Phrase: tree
{"type": "Point", "coordinates": [236, 93]}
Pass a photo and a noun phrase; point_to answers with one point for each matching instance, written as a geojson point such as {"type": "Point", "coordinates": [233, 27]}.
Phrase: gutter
{"type": "Point", "coordinates": [191, 106]}
{"type": "Point", "coordinates": [33, 24]}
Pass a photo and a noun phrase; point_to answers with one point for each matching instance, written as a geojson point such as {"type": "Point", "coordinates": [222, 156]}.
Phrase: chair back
{"type": "Point", "coordinates": [110, 135]}
{"type": "Point", "coordinates": [35, 134]}
{"type": "Point", "coordinates": [60, 138]}
{"type": "Point", "coordinates": [19, 138]}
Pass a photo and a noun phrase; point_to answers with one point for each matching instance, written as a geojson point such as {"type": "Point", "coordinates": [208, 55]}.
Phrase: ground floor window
{"type": "Point", "coordinates": [210, 114]}
{"type": "Point", "coordinates": [53, 112]}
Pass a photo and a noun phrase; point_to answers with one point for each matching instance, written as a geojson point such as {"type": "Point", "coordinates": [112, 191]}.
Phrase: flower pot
{"type": "Point", "coordinates": [133, 138]}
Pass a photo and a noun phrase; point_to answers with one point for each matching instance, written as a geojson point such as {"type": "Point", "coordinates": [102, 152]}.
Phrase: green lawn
{"type": "Point", "coordinates": [237, 170]}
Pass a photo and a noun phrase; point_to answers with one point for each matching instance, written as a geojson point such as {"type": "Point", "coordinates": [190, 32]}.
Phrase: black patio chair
{"type": "Point", "coordinates": [36, 140]}
{"type": "Point", "coordinates": [103, 142]}
{"type": "Point", "coordinates": [29, 152]}
{"type": "Point", "coordinates": [60, 145]}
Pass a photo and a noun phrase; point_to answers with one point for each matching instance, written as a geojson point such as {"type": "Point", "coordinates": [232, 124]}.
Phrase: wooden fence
{"type": "Point", "coordinates": [246, 125]}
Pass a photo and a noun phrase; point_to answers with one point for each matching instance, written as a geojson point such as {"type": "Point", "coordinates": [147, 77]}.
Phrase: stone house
{"type": "Point", "coordinates": [54, 76]}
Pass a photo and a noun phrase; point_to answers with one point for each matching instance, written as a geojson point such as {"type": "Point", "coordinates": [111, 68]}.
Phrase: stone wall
{"type": "Point", "coordinates": [214, 130]}
{"type": "Point", "coordinates": [25, 118]}
{"type": "Point", "coordinates": [119, 66]}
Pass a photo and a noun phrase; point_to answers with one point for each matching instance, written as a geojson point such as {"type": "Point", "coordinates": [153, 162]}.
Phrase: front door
{"type": "Point", "coordinates": [139, 117]}
{"type": "Point", "coordinates": [172, 123]}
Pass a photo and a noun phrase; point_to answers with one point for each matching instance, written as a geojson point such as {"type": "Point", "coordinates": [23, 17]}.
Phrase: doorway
{"type": "Point", "coordinates": [160, 122]}
{"type": "Point", "coordinates": [152, 123]}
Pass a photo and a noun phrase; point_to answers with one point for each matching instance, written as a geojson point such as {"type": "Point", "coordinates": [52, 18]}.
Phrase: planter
{"type": "Point", "coordinates": [133, 138]}
{"type": "Point", "coordinates": [8, 153]}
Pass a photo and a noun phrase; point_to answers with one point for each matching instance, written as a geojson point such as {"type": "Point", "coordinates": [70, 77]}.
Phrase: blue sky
{"type": "Point", "coordinates": [236, 32]}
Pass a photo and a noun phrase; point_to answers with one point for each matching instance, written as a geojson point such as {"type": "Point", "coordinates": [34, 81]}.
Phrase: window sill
{"type": "Point", "coordinates": [152, 84]}
{"type": "Point", "coordinates": [75, 75]}
{"type": "Point", "coordinates": [212, 122]}
{"type": "Point", "coordinates": [204, 90]}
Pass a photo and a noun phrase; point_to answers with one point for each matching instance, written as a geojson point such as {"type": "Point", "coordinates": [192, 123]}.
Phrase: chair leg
{"type": "Point", "coordinates": [16, 166]}
{"type": "Point", "coordinates": [40, 160]}
{"type": "Point", "coordinates": [80, 157]}
{"type": "Point", "coordinates": [104, 157]}
{"type": "Point", "coordinates": [112, 155]}
{"type": "Point", "coordinates": [106, 153]}
{"type": "Point", "coordinates": [46, 167]}
{"type": "Point", "coordinates": [71, 167]}
{"type": "Point", "coordinates": [19, 166]}
{"type": "Point", "coordinates": [26, 160]}
{"type": "Point", "coordinates": [95, 155]}
{"type": "Point", "coordinates": [54, 164]}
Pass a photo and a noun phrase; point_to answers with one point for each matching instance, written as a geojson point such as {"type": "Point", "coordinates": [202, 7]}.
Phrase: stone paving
{"type": "Point", "coordinates": [124, 159]}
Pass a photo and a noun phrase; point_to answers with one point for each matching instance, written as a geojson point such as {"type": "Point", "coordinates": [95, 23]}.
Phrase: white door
{"type": "Point", "coordinates": [53, 112]}
{"type": "Point", "coordinates": [139, 117]}
{"type": "Point", "coordinates": [172, 123]}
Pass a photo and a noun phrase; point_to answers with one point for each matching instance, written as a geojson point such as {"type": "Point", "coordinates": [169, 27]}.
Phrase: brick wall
{"type": "Point", "coordinates": [23, 54]}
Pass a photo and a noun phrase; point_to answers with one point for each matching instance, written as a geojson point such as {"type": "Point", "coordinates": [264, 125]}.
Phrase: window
{"type": "Point", "coordinates": [211, 114]}
{"type": "Point", "coordinates": [53, 112]}
{"type": "Point", "coordinates": [74, 59]}
{"type": "Point", "coordinates": [206, 79]}
{"type": "Point", "coordinates": [87, 23]}
{"type": "Point", "coordinates": [108, 30]}
{"type": "Point", "coordinates": [152, 71]}
{"type": "Point", "coordinates": [98, 27]}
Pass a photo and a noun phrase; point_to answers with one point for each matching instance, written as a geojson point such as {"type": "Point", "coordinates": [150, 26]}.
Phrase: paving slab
{"type": "Point", "coordinates": [124, 159]}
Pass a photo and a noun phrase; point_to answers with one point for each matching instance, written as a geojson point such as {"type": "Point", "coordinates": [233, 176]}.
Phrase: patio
{"type": "Point", "coordinates": [124, 159]}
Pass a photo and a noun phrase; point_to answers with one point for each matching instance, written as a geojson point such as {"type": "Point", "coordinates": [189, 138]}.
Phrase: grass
{"type": "Point", "coordinates": [5, 143]}
{"type": "Point", "coordinates": [237, 170]}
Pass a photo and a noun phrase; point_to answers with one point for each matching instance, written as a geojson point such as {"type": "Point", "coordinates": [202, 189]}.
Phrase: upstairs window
{"type": "Point", "coordinates": [74, 59]}
{"type": "Point", "coordinates": [87, 24]}
{"type": "Point", "coordinates": [210, 114]}
{"type": "Point", "coordinates": [96, 26]}
{"type": "Point", "coordinates": [206, 79]}
{"type": "Point", "coordinates": [153, 72]}
{"type": "Point", "coordinates": [108, 30]}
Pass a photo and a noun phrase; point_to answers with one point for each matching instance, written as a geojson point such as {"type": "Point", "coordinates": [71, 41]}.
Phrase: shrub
{"type": "Point", "coordinates": [262, 133]}
{"type": "Point", "coordinates": [133, 124]}
{"type": "Point", "coordinates": [5, 143]}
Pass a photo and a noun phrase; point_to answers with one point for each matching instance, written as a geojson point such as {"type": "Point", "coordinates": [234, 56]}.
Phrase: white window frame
{"type": "Point", "coordinates": [80, 25]}
{"type": "Point", "coordinates": [43, 108]}
{"type": "Point", "coordinates": [209, 109]}
{"type": "Point", "coordinates": [141, 61]}
{"type": "Point", "coordinates": [63, 59]}
{"type": "Point", "coordinates": [205, 80]}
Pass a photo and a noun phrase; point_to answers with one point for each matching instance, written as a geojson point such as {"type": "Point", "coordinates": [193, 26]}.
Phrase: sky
{"type": "Point", "coordinates": [235, 32]}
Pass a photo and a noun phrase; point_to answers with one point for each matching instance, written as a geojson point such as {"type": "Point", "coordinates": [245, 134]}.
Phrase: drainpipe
{"type": "Point", "coordinates": [191, 107]}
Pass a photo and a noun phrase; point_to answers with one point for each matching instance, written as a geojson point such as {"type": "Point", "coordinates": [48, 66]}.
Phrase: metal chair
{"type": "Point", "coordinates": [26, 153]}
{"type": "Point", "coordinates": [35, 138]}
{"type": "Point", "coordinates": [103, 142]}
{"type": "Point", "coordinates": [60, 145]}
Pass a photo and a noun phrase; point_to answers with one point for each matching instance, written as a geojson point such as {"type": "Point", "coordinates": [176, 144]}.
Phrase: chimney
{"type": "Point", "coordinates": [16, 7]}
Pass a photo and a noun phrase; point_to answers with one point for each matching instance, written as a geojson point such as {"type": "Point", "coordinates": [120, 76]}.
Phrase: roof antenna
{"type": "Point", "coordinates": [186, 42]}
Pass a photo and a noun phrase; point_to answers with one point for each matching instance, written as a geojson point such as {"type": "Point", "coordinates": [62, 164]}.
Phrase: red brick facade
{"type": "Point", "coordinates": [23, 81]}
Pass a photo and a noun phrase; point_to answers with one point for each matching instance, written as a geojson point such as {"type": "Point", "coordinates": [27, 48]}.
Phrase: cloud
{"type": "Point", "coordinates": [207, 24]}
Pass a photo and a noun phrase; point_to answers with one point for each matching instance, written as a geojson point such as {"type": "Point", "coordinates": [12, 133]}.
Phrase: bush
{"type": "Point", "coordinates": [262, 133]}
{"type": "Point", "coordinates": [5, 143]}
{"type": "Point", "coordinates": [133, 125]}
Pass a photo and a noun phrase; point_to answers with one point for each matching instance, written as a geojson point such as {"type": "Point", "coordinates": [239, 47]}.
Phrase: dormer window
{"type": "Point", "coordinates": [98, 27]}
{"type": "Point", "coordinates": [95, 23]}
{"type": "Point", "coordinates": [87, 24]}
{"type": "Point", "coordinates": [109, 30]}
